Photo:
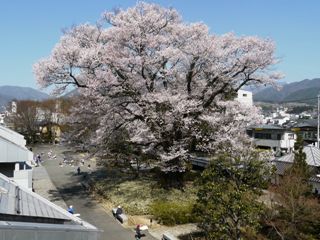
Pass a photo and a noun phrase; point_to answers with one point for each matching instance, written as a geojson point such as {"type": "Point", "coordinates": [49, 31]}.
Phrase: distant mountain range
{"type": "Point", "coordinates": [305, 91]}
{"type": "Point", "coordinates": [9, 93]}
{"type": "Point", "coordinates": [290, 92]}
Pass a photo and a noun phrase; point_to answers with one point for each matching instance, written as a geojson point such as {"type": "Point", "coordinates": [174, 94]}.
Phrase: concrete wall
{"type": "Point", "coordinates": [10, 152]}
{"type": "Point", "coordinates": [245, 97]}
{"type": "Point", "coordinates": [13, 147]}
{"type": "Point", "coordinates": [23, 178]}
{"type": "Point", "coordinates": [12, 136]}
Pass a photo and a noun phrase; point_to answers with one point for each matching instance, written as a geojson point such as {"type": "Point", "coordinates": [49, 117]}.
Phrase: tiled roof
{"type": "Point", "coordinates": [281, 167]}
{"type": "Point", "coordinates": [307, 123]}
{"type": "Point", "coordinates": [312, 156]}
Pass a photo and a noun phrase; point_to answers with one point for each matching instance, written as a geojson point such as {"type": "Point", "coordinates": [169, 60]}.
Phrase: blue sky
{"type": "Point", "coordinates": [30, 29]}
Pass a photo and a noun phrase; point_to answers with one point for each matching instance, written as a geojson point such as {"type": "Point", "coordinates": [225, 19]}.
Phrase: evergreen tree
{"type": "Point", "coordinates": [227, 203]}
{"type": "Point", "coordinates": [300, 165]}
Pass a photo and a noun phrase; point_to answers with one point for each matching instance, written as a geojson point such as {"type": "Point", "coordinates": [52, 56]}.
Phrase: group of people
{"type": "Point", "coordinates": [70, 162]}
{"type": "Point", "coordinates": [50, 154]}
{"type": "Point", "coordinates": [138, 229]}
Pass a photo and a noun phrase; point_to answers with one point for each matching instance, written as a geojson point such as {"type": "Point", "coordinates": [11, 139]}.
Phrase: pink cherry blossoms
{"type": "Point", "coordinates": [170, 85]}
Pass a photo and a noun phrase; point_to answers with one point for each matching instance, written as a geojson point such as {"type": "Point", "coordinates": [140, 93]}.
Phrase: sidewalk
{"type": "Point", "coordinates": [43, 186]}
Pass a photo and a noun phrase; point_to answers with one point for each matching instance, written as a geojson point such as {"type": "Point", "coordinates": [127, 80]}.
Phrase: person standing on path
{"type": "Point", "coordinates": [70, 209]}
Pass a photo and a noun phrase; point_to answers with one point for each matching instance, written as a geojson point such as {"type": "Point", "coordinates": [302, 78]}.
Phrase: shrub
{"type": "Point", "coordinates": [171, 213]}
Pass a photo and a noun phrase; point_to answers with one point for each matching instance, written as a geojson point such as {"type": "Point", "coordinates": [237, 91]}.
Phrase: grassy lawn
{"type": "Point", "coordinates": [136, 195]}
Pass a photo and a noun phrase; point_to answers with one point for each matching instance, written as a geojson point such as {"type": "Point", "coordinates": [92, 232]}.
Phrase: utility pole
{"type": "Point", "coordinates": [318, 131]}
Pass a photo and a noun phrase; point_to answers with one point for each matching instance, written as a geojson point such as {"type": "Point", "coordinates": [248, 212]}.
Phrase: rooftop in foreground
{"type": "Point", "coordinates": [23, 211]}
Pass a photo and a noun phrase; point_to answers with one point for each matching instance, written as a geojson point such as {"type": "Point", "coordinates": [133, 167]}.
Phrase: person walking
{"type": "Point", "coordinates": [78, 170]}
{"type": "Point", "coordinates": [138, 232]}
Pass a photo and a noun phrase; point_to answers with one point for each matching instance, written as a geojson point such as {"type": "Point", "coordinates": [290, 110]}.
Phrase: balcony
{"type": "Point", "coordinates": [274, 143]}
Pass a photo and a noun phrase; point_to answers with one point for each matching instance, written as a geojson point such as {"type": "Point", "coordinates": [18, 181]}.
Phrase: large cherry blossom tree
{"type": "Point", "coordinates": [169, 84]}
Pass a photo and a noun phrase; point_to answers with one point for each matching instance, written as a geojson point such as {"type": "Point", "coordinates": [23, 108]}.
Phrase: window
{"type": "Point", "coordinates": [244, 95]}
{"type": "Point", "coordinates": [278, 136]}
{"type": "Point", "coordinates": [262, 135]}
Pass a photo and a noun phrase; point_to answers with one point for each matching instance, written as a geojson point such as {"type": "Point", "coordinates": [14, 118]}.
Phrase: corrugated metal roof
{"type": "Point", "coordinates": [312, 156]}
{"type": "Point", "coordinates": [24, 205]}
{"type": "Point", "coordinates": [16, 200]}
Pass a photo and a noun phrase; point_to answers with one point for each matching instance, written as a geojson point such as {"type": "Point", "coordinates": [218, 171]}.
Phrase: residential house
{"type": "Point", "coordinates": [308, 129]}
{"type": "Point", "coordinates": [50, 131]}
{"type": "Point", "coordinates": [312, 159]}
{"type": "Point", "coordinates": [279, 117]}
{"type": "Point", "coordinates": [276, 138]}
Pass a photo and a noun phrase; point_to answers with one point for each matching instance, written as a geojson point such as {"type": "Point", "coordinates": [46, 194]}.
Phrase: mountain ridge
{"type": "Point", "coordinates": [9, 93]}
{"type": "Point", "coordinates": [303, 91]}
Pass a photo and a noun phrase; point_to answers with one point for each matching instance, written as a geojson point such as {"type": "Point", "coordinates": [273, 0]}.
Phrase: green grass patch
{"type": "Point", "coordinates": [171, 213]}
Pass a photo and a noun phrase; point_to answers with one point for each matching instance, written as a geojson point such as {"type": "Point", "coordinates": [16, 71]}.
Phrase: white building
{"type": "Point", "coordinates": [14, 107]}
{"type": "Point", "coordinates": [15, 158]}
{"type": "Point", "coordinates": [279, 139]}
{"type": "Point", "coordinates": [2, 116]}
{"type": "Point", "coordinates": [245, 97]}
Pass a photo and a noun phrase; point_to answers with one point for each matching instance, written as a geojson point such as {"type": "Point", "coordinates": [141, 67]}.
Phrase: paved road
{"type": "Point", "coordinates": [69, 187]}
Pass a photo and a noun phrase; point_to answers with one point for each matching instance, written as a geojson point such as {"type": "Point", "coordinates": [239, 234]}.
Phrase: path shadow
{"type": "Point", "coordinates": [70, 192]}
{"type": "Point", "coordinates": [55, 195]}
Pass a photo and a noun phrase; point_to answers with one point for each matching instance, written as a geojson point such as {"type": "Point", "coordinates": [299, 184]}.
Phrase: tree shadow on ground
{"type": "Point", "coordinates": [70, 192]}
{"type": "Point", "coordinates": [55, 195]}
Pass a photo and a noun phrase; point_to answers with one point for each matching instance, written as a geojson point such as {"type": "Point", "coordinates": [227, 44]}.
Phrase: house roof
{"type": "Point", "coordinates": [281, 167]}
{"type": "Point", "coordinates": [267, 126]}
{"type": "Point", "coordinates": [315, 179]}
{"type": "Point", "coordinates": [307, 123]}
{"type": "Point", "coordinates": [312, 156]}
{"type": "Point", "coordinates": [20, 202]}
